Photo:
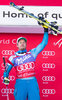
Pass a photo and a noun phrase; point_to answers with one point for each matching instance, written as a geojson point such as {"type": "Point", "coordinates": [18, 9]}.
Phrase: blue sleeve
{"type": "Point", "coordinates": [9, 66]}
{"type": "Point", "coordinates": [41, 46]}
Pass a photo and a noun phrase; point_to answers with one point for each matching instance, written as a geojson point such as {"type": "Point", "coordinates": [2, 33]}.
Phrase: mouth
{"type": "Point", "coordinates": [22, 46]}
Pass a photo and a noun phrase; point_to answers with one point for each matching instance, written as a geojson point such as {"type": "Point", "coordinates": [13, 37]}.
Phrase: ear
{"type": "Point", "coordinates": [17, 45]}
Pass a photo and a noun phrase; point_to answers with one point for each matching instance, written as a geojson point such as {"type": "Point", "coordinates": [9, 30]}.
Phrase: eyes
{"type": "Point", "coordinates": [22, 42]}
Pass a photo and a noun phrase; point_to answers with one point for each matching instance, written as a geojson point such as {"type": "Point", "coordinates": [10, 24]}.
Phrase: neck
{"type": "Point", "coordinates": [22, 51]}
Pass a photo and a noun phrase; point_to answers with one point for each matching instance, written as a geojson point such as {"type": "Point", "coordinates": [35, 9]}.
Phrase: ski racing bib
{"type": "Point", "coordinates": [24, 65]}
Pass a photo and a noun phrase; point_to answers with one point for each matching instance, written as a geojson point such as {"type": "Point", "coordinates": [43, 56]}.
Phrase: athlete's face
{"type": "Point", "coordinates": [22, 44]}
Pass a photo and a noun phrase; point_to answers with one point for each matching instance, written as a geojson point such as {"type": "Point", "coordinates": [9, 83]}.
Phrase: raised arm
{"type": "Point", "coordinates": [42, 45]}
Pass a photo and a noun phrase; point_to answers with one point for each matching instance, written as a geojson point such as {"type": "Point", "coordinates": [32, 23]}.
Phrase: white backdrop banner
{"type": "Point", "coordinates": [11, 16]}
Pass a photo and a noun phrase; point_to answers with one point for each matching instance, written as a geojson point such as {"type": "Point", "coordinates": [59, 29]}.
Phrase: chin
{"type": "Point", "coordinates": [22, 49]}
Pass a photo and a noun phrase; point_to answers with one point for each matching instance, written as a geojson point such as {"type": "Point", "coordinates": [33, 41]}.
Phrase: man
{"type": "Point", "coordinates": [24, 63]}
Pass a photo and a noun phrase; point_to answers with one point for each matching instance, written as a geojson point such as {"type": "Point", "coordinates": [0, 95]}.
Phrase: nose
{"type": "Point", "coordinates": [22, 44]}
